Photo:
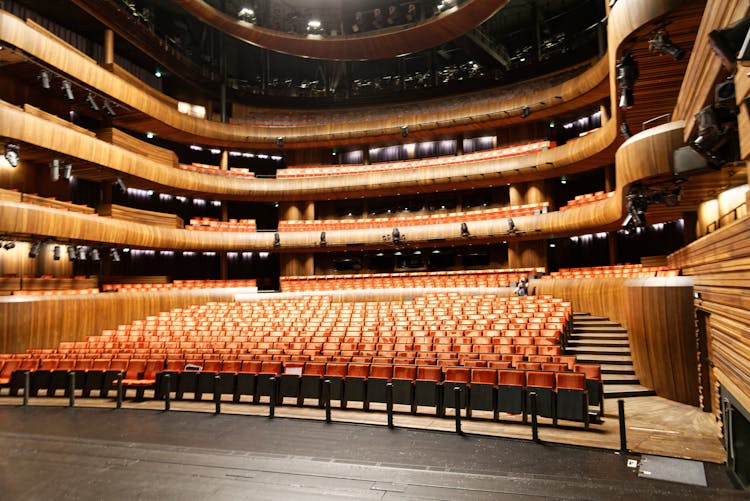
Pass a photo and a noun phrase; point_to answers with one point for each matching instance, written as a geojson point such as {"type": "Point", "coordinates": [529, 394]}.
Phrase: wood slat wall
{"type": "Point", "coordinates": [719, 263]}
{"type": "Point", "coordinates": [147, 217]}
{"type": "Point", "coordinates": [119, 138]}
{"type": "Point", "coordinates": [44, 322]}
{"type": "Point", "coordinates": [658, 315]}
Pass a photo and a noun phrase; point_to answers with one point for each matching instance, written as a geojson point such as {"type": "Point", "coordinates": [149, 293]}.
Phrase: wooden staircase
{"type": "Point", "coordinates": [597, 340]}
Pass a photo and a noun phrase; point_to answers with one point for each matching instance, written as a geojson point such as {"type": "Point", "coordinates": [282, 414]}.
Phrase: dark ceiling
{"type": "Point", "coordinates": [534, 37]}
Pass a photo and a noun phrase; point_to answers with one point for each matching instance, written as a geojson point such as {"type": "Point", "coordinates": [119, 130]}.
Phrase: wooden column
{"type": "Point", "coordinates": [224, 162]}
{"type": "Point", "coordinates": [297, 264]}
{"type": "Point", "coordinates": [109, 48]}
{"type": "Point", "coordinates": [527, 254]}
{"type": "Point", "coordinates": [609, 178]}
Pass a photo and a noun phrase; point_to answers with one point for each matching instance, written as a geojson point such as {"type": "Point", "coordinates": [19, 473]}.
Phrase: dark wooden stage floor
{"type": "Point", "coordinates": [102, 453]}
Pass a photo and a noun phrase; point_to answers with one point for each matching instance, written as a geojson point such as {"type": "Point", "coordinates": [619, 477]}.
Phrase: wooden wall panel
{"type": "Point", "coordinates": [297, 264]}
{"type": "Point", "coordinates": [44, 322]}
{"type": "Point", "coordinates": [719, 263]}
{"type": "Point", "coordinates": [657, 314]}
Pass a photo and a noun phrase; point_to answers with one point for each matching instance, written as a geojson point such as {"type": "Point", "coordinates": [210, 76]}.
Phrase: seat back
{"type": "Point", "coordinates": [570, 380]}
{"type": "Point", "coordinates": [555, 367]}
{"type": "Point", "coordinates": [48, 364]}
{"type": "Point", "coordinates": [67, 364]}
{"type": "Point", "coordinates": [484, 376]}
{"type": "Point", "coordinates": [528, 366]}
{"type": "Point", "coordinates": [381, 371]}
{"type": "Point", "coordinates": [117, 364]}
{"type": "Point", "coordinates": [429, 374]}
{"type": "Point", "coordinates": [135, 368]}
{"type": "Point", "coordinates": [10, 366]}
{"type": "Point", "coordinates": [540, 379]}
{"type": "Point", "coordinates": [357, 370]}
{"type": "Point", "coordinates": [405, 372]}
{"type": "Point", "coordinates": [212, 365]}
{"type": "Point", "coordinates": [591, 371]}
{"type": "Point", "coordinates": [153, 366]}
{"type": "Point", "coordinates": [336, 369]}
{"type": "Point", "coordinates": [231, 366]}
{"type": "Point", "coordinates": [28, 364]}
{"type": "Point", "coordinates": [270, 367]}
{"type": "Point", "coordinates": [314, 369]}
{"type": "Point", "coordinates": [511, 377]}
{"type": "Point", "coordinates": [457, 375]}
{"type": "Point", "coordinates": [499, 364]}
{"type": "Point", "coordinates": [251, 366]}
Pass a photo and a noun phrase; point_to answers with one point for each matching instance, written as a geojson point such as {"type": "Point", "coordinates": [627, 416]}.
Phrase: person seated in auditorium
{"type": "Point", "coordinates": [394, 17]}
{"type": "Point", "coordinates": [377, 19]}
{"type": "Point", "coordinates": [411, 13]}
{"type": "Point", "coordinates": [359, 22]}
{"type": "Point", "coordinates": [522, 289]}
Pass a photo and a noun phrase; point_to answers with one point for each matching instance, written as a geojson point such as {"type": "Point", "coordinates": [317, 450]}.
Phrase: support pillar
{"type": "Point", "coordinates": [109, 48]}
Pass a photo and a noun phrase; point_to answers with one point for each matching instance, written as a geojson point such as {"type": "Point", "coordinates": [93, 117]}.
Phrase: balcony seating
{"type": "Point", "coordinates": [616, 271]}
{"type": "Point", "coordinates": [179, 285]}
{"type": "Point", "coordinates": [468, 278]}
{"type": "Point", "coordinates": [484, 155]}
{"type": "Point", "coordinates": [215, 169]}
{"type": "Point", "coordinates": [388, 223]}
{"type": "Point", "coordinates": [582, 200]}
{"type": "Point", "coordinates": [212, 224]}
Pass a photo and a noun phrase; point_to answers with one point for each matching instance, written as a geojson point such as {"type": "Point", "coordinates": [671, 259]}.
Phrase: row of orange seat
{"type": "Point", "coordinates": [469, 278]}
{"type": "Point", "coordinates": [213, 224]}
{"type": "Point", "coordinates": [54, 292]}
{"type": "Point", "coordinates": [418, 220]}
{"type": "Point", "coordinates": [489, 389]}
{"type": "Point", "coordinates": [215, 169]}
{"type": "Point", "coordinates": [478, 156]}
{"type": "Point", "coordinates": [587, 199]}
{"type": "Point", "coordinates": [180, 285]}
{"type": "Point", "coordinates": [615, 271]}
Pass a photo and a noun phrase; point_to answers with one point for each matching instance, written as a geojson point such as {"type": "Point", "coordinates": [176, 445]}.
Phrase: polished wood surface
{"type": "Point", "coordinates": [146, 217]}
{"type": "Point", "coordinates": [379, 44]}
{"type": "Point", "coordinates": [719, 263]}
{"type": "Point", "coordinates": [657, 313]}
{"type": "Point", "coordinates": [44, 322]}
{"type": "Point", "coordinates": [119, 138]}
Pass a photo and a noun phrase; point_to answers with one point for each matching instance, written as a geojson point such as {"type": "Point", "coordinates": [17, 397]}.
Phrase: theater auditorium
{"type": "Point", "coordinates": [370, 249]}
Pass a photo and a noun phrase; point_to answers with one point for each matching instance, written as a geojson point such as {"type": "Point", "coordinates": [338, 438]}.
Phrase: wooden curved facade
{"type": "Point", "coordinates": [658, 313]}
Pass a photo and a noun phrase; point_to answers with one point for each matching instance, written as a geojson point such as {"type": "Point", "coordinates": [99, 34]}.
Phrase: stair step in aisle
{"type": "Point", "coordinates": [598, 340]}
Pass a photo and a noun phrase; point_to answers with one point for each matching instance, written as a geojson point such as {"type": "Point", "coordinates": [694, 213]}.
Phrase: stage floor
{"type": "Point", "coordinates": [96, 452]}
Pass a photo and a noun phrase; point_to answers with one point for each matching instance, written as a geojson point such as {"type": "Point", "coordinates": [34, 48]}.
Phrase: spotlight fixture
{"type": "Point", "coordinates": [92, 102]}
{"type": "Point", "coordinates": [323, 238]}
{"type": "Point", "coordinates": [9, 245]}
{"type": "Point", "coordinates": [728, 42]}
{"type": "Point", "coordinates": [81, 253]}
{"type": "Point", "coordinates": [247, 14]}
{"type": "Point", "coordinates": [511, 225]}
{"type": "Point", "coordinates": [114, 255]}
{"type": "Point", "coordinates": [44, 79]}
{"type": "Point", "coordinates": [95, 254]}
{"type": "Point", "coordinates": [67, 89]}
{"type": "Point", "coordinates": [35, 248]}
{"type": "Point", "coordinates": [404, 130]}
{"type": "Point", "coordinates": [54, 169]}
{"type": "Point", "coordinates": [525, 112]}
{"type": "Point", "coordinates": [108, 108]}
{"type": "Point", "coordinates": [56, 253]}
{"type": "Point", "coordinates": [627, 74]}
{"type": "Point", "coordinates": [564, 180]}
{"type": "Point", "coordinates": [625, 130]}
{"type": "Point", "coordinates": [67, 170]}
{"type": "Point", "coordinates": [314, 26]}
{"type": "Point", "coordinates": [121, 184]}
{"type": "Point", "coordinates": [276, 239]}
{"type": "Point", "coordinates": [12, 154]}
{"type": "Point", "coordinates": [280, 141]}
{"type": "Point", "coordinates": [661, 43]}
{"type": "Point", "coordinates": [465, 230]}
{"type": "Point", "coordinates": [396, 236]}
{"type": "Point", "coordinates": [71, 253]}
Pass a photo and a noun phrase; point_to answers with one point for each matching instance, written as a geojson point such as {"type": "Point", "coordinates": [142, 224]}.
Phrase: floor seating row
{"type": "Point", "coordinates": [559, 394]}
